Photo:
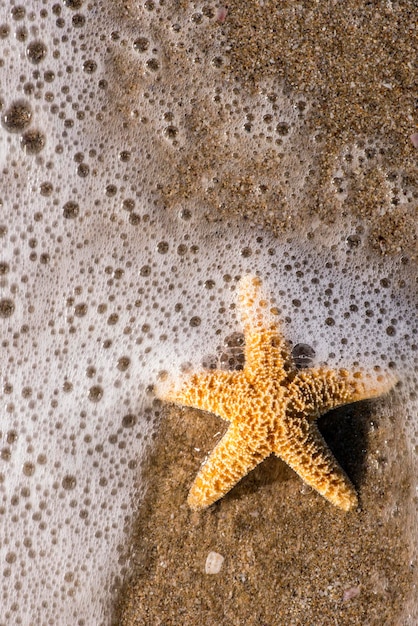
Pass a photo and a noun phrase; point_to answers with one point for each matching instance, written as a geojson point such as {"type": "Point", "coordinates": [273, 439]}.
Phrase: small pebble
{"type": "Point", "coordinates": [214, 562]}
{"type": "Point", "coordinates": [351, 593]}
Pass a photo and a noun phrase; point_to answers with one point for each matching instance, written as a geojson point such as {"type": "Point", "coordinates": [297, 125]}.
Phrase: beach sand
{"type": "Point", "coordinates": [290, 556]}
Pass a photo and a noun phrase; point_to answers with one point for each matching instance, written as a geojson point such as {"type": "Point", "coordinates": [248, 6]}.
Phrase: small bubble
{"type": "Point", "coordinates": [7, 308]}
{"type": "Point", "coordinates": [153, 64]}
{"type": "Point", "coordinates": [36, 52]}
{"type": "Point", "coordinates": [128, 204]}
{"type": "Point", "coordinates": [21, 34]}
{"type": "Point", "coordinates": [5, 454]}
{"type": "Point", "coordinates": [4, 268]}
{"type": "Point", "coordinates": [80, 309]}
{"type": "Point", "coordinates": [32, 142]}
{"type": "Point", "coordinates": [303, 355]}
{"type": "Point", "coordinates": [28, 469]}
{"type": "Point", "coordinates": [391, 331]}
{"type": "Point", "coordinates": [70, 210]}
{"type": "Point", "coordinates": [46, 188]}
{"type": "Point", "coordinates": [134, 219]}
{"type": "Point", "coordinates": [235, 340]}
{"type": "Point", "coordinates": [123, 363]}
{"type": "Point", "coordinates": [185, 214]}
{"type": "Point", "coordinates": [195, 321]}
{"type": "Point", "coordinates": [111, 190]}
{"type": "Point", "coordinates": [246, 252]}
{"type": "Point", "coordinates": [95, 393]}
{"type": "Point", "coordinates": [145, 270]}
{"type": "Point", "coordinates": [78, 20]}
{"type": "Point", "coordinates": [90, 371]}
{"type": "Point", "coordinates": [4, 31]}
{"type": "Point", "coordinates": [141, 44]}
{"type": "Point", "coordinates": [10, 557]}
{"type": "Point", "coordinates": [128, 421]}
{"type": "Point", "coordinates": [74, 5]}
{"type": "Point", "coordinates": [18, 13]}
{"type": "Point", "coordinates": [162, 247]}
{"type": "Point", "coordinates": [170, 132]}
{"type": "Point", "coordinates": [282, 128]}
{"type": "Point", "coordinates": [17, 117]}
{"type": "Point", "coordinates": [11, 436]}
{"type": "Point", "coordinates": [353, 241]}
{"type": "Point", "coordinates": [330, 321]}
{"type": "Point", "coordinates": [209, 362]}
{"type": "Point", "coordinates": [89, 66]}
{"type": "Point", "coordinates": [69, 482]}
{"type": "Point", "coordinates": [83, 170]}
{"type": "Point", "coordinates": [49, 76]}
{"type": "Point", "coordinates": [208, 11]}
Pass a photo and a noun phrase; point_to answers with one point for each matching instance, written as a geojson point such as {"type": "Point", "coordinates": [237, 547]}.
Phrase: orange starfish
{"type": "Point", "coordinates": [271, 407]}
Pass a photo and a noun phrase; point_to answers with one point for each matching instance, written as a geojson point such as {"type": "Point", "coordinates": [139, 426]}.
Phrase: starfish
{"type": "Point", "coordinates": [272, 407]}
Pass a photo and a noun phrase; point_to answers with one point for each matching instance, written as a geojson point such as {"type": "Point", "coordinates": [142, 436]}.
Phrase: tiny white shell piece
{"type": "Point", "coordinates": [214, 562]}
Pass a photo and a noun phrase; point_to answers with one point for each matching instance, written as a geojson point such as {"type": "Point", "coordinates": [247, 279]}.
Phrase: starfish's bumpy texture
{"type": "Point", "coordinates": [271, 407]}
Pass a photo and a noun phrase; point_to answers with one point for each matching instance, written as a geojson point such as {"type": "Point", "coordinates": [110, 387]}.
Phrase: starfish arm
{"type": "Point", "coordinates": [309, 456]}
{"type": "Point", "coordinates": [316, 391]}
{"type": "Point", "coordinates": [230, 461]}
{"type": "Point", "coordinates": [208, 391]}
{"type": "Point", "coordinates": [265, 346]}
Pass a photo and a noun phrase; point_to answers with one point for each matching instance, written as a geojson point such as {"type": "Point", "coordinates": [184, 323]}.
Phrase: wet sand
{"type": "Point", "coordinates": [355, 67]}
{"type": "Point", "coordinates": [290, 557]}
